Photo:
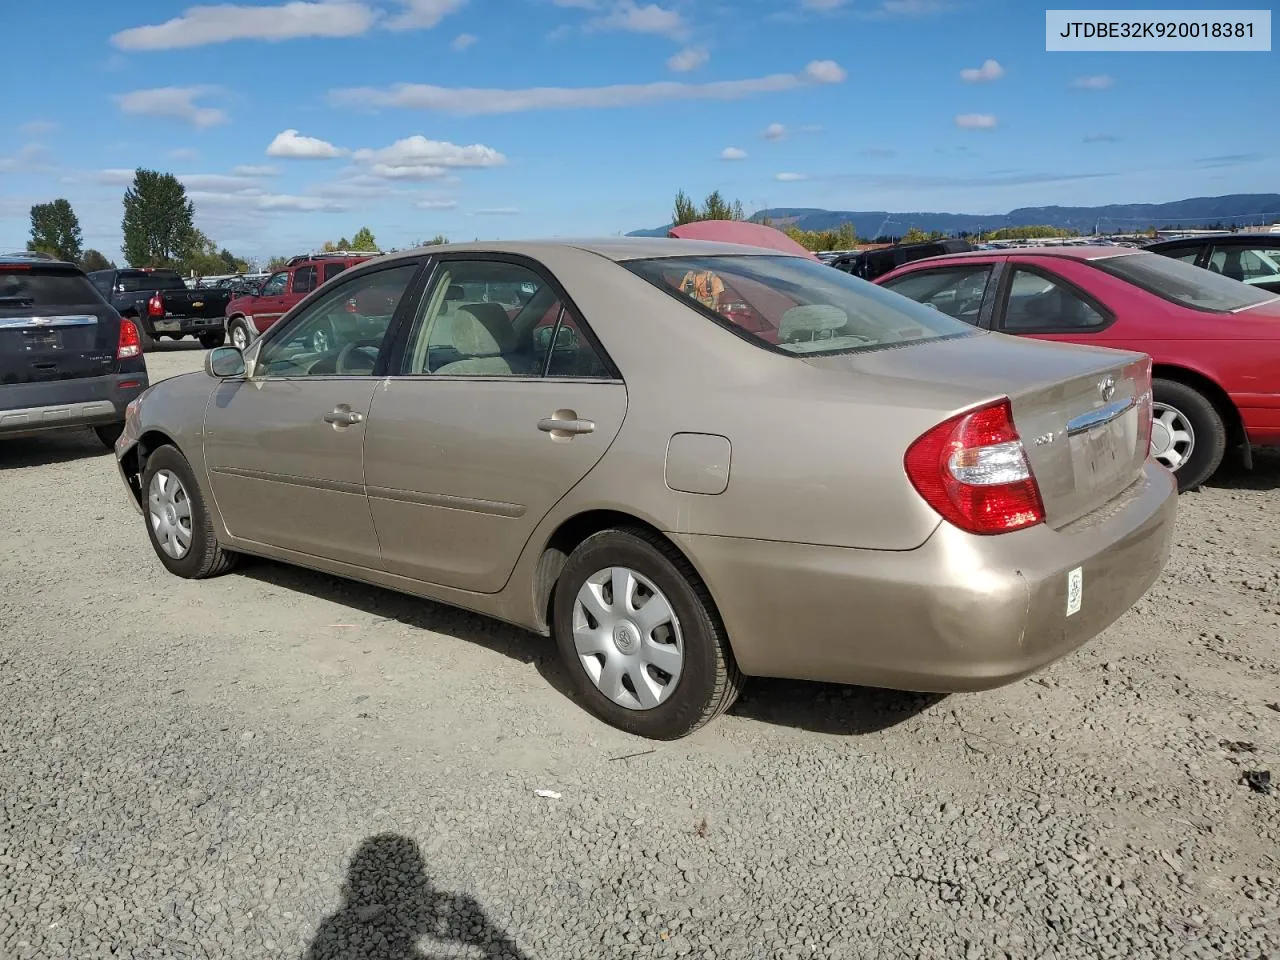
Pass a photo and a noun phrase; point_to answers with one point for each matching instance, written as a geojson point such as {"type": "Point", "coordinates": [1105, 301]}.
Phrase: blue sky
{"type": "Point", "coordinates": [293, 123]}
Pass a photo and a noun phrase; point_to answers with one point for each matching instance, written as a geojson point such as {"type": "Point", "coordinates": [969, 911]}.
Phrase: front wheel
{"type": "Point", "coordinates": [238, 330]}
{"type": "Point", "coordinates": [178, 520]}
{"type": "Point", "coordinates": [640, 636]}
{"type": "Point", "coordinates": [211, 341]}
{"type": "Point", "coordinates": [1187, 433]}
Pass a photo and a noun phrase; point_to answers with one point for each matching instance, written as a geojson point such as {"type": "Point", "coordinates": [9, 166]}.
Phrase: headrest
{"type": "Point", "coordinates": [483, 330]}
{"type": "Point", "coordinates": [811, 322]}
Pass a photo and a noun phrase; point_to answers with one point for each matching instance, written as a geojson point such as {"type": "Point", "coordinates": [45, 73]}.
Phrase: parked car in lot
{"type": "Point", "coordinates": [1252, 258]}
{"type": "Point", "coordinates": [161, 304]}
{"type": "Point", "coordinates": [870, 264]}
{"type": "Point", "coordinates": [827, 481]}
{"type": "Point", "coordinates": [254, 311]}
{"type": "Point", "coordinates": [1215, 342]}
{"type": "Point", "coordinates": [67, 359]}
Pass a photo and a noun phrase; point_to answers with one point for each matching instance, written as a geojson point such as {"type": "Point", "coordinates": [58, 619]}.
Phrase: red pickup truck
{"type": "Point", "coordinates": [252, 314]}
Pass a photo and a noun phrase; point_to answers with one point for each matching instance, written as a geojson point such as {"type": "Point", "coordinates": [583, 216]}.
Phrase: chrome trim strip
{"type": "Point", "coordinates": [1097, 418]}
{"type": "Point", "coordinates": [45, 323]}
{"type": "Point", "coordinates": [493, 508]}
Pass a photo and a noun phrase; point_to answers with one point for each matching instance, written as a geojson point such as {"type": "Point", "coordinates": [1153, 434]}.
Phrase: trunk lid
{"type": "Point", "coordinates": [1077, 409]}
{"type": "Point", "coordinates": [53, 326]}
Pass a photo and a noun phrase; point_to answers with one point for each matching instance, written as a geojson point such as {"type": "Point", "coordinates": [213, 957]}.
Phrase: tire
{"type": "Point", "coordinates": [175, 337]}
{"type": "Point", "coordinates": [109, 433]}
{"type": "Point", "coordinates": [1188, 435]}
{"type": "Point", "coordinates": [322, 339]}
{"type": "Point", "coordinates": [147, 341]}
{"type": "Point", "coordinates": [240, 334]}
{"type": "Point", "coordinates": [211, 341]}
{"type": "Point", "coordinates": [704, 680]}
{"type": "Point", "coordinates": [203, 556]}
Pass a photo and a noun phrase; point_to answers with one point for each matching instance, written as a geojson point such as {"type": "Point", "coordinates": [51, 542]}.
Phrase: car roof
{"type": "Point", "coordinates": [1222, 240]}
{"type": "Point", "coordinates": [26, 259]}
{"type": "Point", "coordinates": [1064, 253]}
{"type": "Point", "coordinates": [618, 249]}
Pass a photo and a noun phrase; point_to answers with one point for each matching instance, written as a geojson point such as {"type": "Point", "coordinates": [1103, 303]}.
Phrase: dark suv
{"type": "Point", "coordinates": [67, 359]}
{"type": "Point", "coordinates": [870, 264]}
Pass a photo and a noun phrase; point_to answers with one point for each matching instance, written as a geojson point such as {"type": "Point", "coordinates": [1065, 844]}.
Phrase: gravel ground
{"type": "Point", "coordinates": [279, 764]}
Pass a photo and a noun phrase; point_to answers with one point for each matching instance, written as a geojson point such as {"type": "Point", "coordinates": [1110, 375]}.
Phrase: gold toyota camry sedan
{"type": "Point", "coordinates": [688, 462]}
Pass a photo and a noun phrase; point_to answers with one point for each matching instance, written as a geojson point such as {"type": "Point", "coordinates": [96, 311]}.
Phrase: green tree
{"type": "Point", "coordinates": [232, 263]}
{"type": "Point", "coordinates": [1030, 233]}
{"type": "Point", "coordinates": [55, 230]}
{"type": "Point", "coordinates": [916, 235]}
{"type": "Point", "coordinates": [93, 260]}
{"type": "Point", "coordinates": [435, 241]}
{"type": "Point", "coordinates": [363, 240]}
{"type": "Point", "coordinates": [158, 224]}
{"type": "Point", "coordinates": [686, 211]}
{"type": "Point", "coordinates": [277, 263]}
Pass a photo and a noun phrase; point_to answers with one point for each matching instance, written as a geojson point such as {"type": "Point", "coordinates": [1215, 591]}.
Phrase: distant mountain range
{"type": "Point", "coordinates": [1241, 209]}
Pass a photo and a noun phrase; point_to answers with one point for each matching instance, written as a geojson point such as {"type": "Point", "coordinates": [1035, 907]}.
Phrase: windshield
{"type": "Point", "coordinates": [795, 304]}
{"type": "Point", "coordinates": [131, 281]}
{"type": "Point", "coordinates": [1182, 283]}
{"type": "Point", "coordinates": [22, 286]}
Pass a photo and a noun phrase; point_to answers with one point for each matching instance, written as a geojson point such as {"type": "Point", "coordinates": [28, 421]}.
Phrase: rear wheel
{"type": "Point", "coordinates": [238, 330]}
{"type": "Point", "coordinates": [109, 434]}
{"type": "Point", "coordinates": [145, 339]}
{"type": "Point", "coordinates": [640, 636]}
{"type": "Point", "coordinates": [321, 338]}
{"type": "Point", "coordinates": [212, 340]}
{"type": "Point", "coordinates": [1187, 433]}
{"type": "Point", "coordinates": [178, 520]}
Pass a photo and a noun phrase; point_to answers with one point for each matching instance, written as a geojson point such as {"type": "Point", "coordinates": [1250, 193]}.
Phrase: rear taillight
{"type": "Point", "coordinates": [155, 306]}
{"type": "Point", "coordinates": [130, 343]}
{"type": "Point", "coordinates": [973, 470]}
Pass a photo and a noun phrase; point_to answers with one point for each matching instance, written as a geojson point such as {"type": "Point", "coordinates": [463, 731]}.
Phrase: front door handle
{"type": "Point", "coordinates": [343, 416]}
{"type": "Point", "coordinates": [560, 426]}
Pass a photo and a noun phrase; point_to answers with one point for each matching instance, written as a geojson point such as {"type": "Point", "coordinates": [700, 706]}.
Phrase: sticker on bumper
{"type": "Point", "coordinates": [1075, 590]}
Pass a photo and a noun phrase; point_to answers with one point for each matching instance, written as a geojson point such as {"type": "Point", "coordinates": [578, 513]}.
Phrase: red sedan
{"type": "Point", "coordinates": [1214, 342]}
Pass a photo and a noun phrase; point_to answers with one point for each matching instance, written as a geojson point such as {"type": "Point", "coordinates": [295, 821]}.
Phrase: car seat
{"type": "Point", "coordinates": [484, 336]}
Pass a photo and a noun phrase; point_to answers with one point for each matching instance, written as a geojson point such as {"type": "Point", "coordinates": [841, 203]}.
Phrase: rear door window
{"type": "Point", "coordinates": [1037, 302]}
{"type": "Point", "coordinates": [134, 281]}
{"type": "Point", "coordinates": [304, 279]}
{"type": "Point", "coordinates": [331, 270]}
{"type": "Point", "coordinates": [1248, 265]}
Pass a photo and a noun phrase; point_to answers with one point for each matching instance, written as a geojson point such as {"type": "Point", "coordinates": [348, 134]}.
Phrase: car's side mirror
{"type": "Point", "coordinates": [224, 363]}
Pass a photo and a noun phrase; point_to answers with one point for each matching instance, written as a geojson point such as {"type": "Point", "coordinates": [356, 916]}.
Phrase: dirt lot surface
{"type": "Point", "coordinates": [277, 762]}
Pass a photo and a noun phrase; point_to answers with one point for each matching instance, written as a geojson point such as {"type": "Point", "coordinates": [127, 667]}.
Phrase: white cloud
{"type": "Point", "coordinates": [423, 14]}
{"type": "Point", "coordinates": [259, 200]}
{"type": "Point", "coordinates": [38, 128]}
{"type": "Point", "coordinates": [114, 177]}
{"type": "Point", "coordinates": [630, 16]}
{"type": "Point", "coordinates": [690, 58]}
{"type": "Point", "coordinates": [472, 100]}
{"type": "Point", "coordinates": [990, 70]}
{"type": "Point", "coordinates": [184, 154]}
{"type": "Point", "coordinates": [497, 212]}
{"type": "Point", "coordinates": [774, 131]}
{"type": "Point", "coordinates": [29, 156]}
{"type": "Point", "coordinates": [825, 71]}
{"type": "Point", "coordinates": [821, 4]}
{"type": "Point", "coordinates": [1098, 82]}
{"type": "Point", "coordinates": [417, 158]}
{"type": "Point", "coordinates": [733, 153]}
{"type": "Point", "coordinates": [789, 177]}
{"type": "Point", "coordinates": [463, 40]}
{"type": "Point", "coordinates": [976, 121]}
{"type": "Point", "coordinates": [288, 143]}
{"type": "Point", "coordinates": [175, 103]}
{"type": "Point", "coordinates": [252, 170]}
{"type": "Point", "coordinates": [576, 4]}
{"type": "Point", "coordinates": [436, 204]}
{"type": "Point", "coordinates": [220, 23]}
{"type": "Point", "coordinates": [215, 182]}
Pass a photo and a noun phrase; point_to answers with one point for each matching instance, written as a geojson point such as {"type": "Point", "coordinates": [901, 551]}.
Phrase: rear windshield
{"type": "Point", "coordinates": [134, 280]}
{"type": "Point", "coordinates": [1183, 283]}
{"type": "Point", "coordinates": [795, 304]}
{"type": "Point", "coordinates": [22, 287]}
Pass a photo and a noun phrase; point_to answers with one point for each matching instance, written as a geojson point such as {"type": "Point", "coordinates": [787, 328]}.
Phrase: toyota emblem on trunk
{"type": "Point", "coordinates": [1107, 388]}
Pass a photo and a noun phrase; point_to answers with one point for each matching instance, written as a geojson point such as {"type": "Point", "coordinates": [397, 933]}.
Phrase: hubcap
{"type": "Point", "coordinates": [169, 510]}
{"type": "Point", "coordinates": [1172, 438]}
{"type": "Point", "coordinates": [628, 638]}
{"type": "Point", "coordinates": [239, 337]}
{"type": "Point", "coordinates": [320, 341]}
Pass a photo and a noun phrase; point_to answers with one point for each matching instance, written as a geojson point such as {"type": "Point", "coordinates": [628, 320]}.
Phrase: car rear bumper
{"type": "Point", "coordinates": [959, 613]}
{"type": "Point", "coordinates": [33, 408]}
{"type": "Point", "coordinates": [184, 325]}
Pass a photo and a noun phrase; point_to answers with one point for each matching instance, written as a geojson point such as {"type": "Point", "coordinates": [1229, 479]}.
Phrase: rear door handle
{"type": "Point", "coordinates": [343, 416]}
{"type": "Point", "coordinates": [567, 427]}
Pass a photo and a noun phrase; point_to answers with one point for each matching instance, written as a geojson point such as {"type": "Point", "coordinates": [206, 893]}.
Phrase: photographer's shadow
{"type": "Point", "coordinates": [391, 911]}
